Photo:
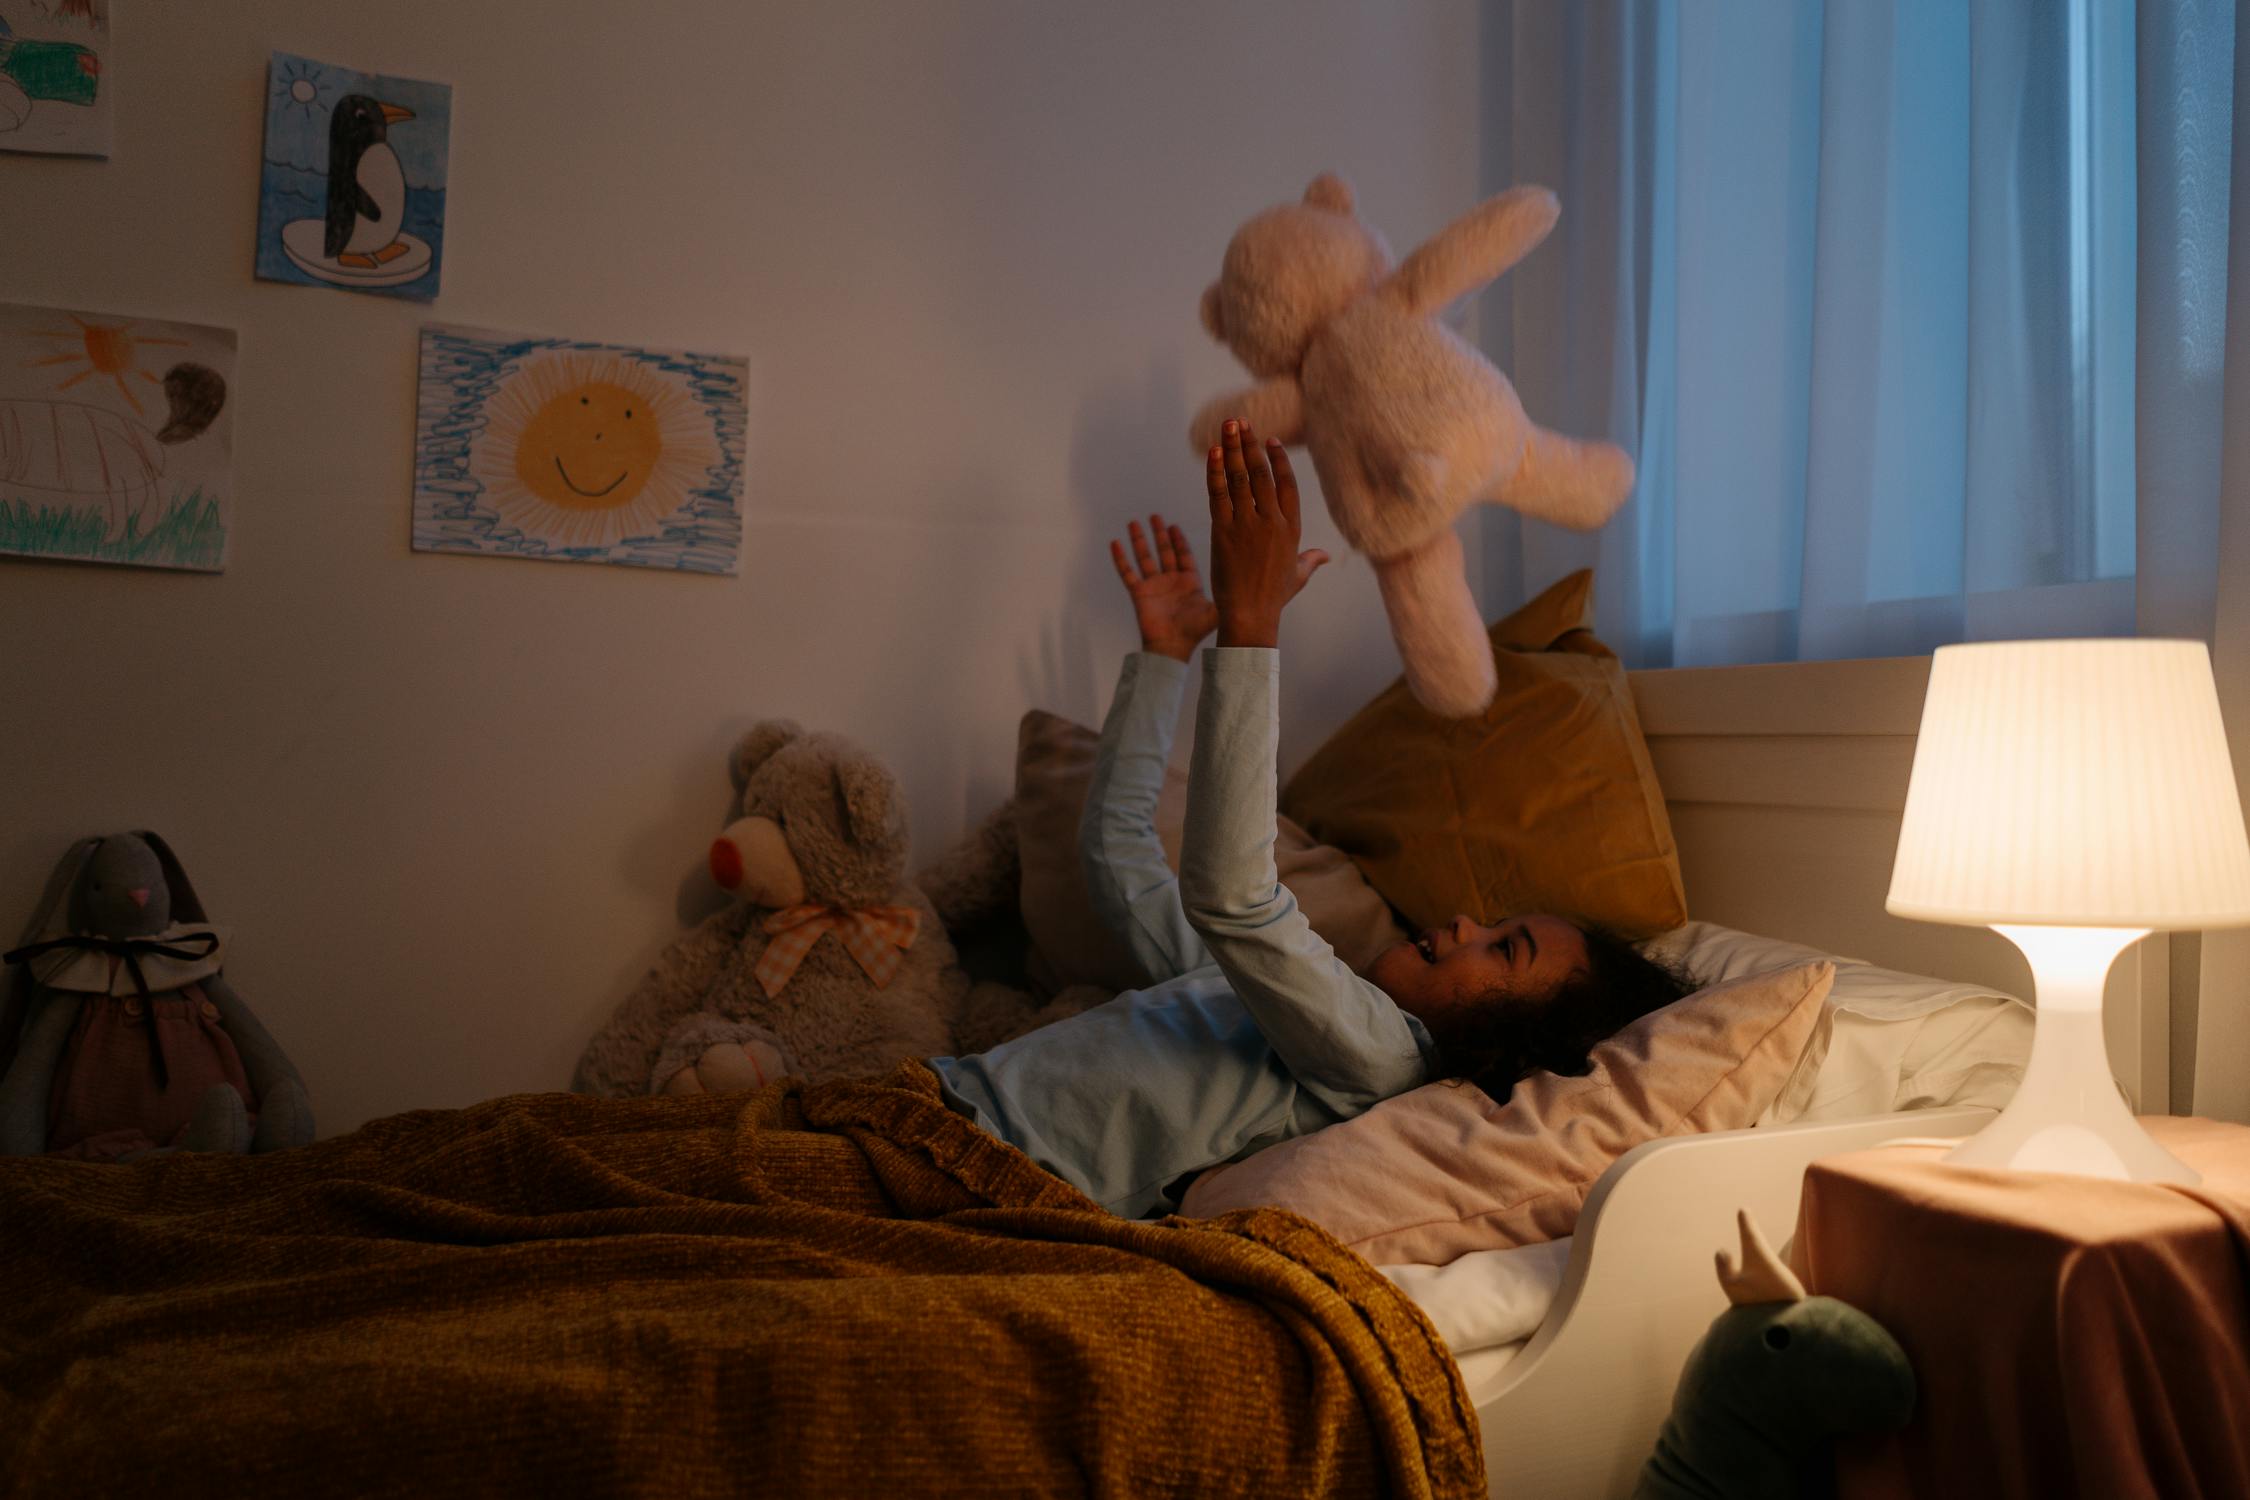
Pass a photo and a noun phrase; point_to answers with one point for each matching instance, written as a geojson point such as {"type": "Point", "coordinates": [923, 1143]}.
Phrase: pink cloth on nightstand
{"type": "Point", "coordinates": [2071, 1335]}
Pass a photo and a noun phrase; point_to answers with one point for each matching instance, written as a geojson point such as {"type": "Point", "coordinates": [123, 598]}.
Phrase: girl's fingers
{"type": "Point", "coordinates": [1141, 554]}
{"type": "Point", "coordinates": [1182, 551]}
{"type": "Point", "coordinates": [1238, 474]}
{"type": "Point", "coordinates": [1124, 568]}
{"type": "Point", "coordinates": [1261, 477]}
{"type": "Point", "coordinates": [1284, 481]}
{"type": "Point", "coordinates": [1215, 482]}
{"type": "Point", "coordinates": [1165, 558]}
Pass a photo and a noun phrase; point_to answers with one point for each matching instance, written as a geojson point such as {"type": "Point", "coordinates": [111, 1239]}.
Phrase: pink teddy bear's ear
{"type": "Point", "coordinates": [1330, 192]}
{"type": "Point", "coordinates": [1214, 317]}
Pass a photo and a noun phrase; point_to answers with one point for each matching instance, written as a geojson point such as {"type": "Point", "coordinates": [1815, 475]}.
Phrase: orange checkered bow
{"type": "Point", "coordinates": [877, 937]}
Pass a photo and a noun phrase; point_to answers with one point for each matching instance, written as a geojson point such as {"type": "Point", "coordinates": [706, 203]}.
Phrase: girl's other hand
{"type": "Point", "coordinates": [1168, 599]}
{"type": "Point", "coordinates": [1256, 568]}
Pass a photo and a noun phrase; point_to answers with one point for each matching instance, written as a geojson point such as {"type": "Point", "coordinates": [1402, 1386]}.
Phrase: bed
{"type": "Point", "coordinates": [1784, 786]}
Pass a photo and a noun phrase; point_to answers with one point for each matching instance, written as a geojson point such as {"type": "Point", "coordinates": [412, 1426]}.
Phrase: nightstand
{"type": "Point", "coordinates": [2071, 1335]}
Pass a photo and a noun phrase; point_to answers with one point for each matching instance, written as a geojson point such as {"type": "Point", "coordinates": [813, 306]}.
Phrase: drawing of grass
{"type": "Point", "coordinates": [189, 535]}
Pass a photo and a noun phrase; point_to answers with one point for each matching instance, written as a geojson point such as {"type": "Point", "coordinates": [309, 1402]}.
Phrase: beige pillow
{"type": "Point", "coordinates": [1054, 767]}
{"type": "Point", "coordinates": [1442, 1170]}
{"type": "Point", "coordinates": [1545, 802]}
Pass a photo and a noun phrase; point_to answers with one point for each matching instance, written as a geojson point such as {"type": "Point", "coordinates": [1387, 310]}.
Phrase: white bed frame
{"type": "Point", "coordinates": [1785, 784]}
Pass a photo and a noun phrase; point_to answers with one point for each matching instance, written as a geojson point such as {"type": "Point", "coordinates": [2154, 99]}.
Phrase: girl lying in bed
{"type": "Point", "coordinates": [1251, 1030]}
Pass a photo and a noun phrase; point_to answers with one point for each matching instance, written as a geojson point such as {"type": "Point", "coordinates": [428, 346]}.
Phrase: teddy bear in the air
{"type": "Point", "coordinates": [829, 963]}
{"type": "Point", "coordinates": [1407, 424]}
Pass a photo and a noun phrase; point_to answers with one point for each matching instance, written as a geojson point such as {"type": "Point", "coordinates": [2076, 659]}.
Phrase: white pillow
{"type": "Point", "coordinates": [1885, 1041]}
{"type": "Point", "coordinates": [1487, 1297]}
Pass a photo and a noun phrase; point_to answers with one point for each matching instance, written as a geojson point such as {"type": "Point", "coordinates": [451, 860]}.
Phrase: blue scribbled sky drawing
{"type": "Point", "coordinates": [484, 395]}
{"type": "Point", "coordinates": [301, 98]}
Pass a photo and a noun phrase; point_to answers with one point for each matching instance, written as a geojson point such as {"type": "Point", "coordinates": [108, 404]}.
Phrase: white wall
{"type": "Point", "coordinates": [452, 807]}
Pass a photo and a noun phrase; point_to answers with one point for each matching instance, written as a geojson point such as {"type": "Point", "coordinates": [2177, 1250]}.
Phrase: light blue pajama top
{"type": "Point", "coordinates": [1251, 1030]}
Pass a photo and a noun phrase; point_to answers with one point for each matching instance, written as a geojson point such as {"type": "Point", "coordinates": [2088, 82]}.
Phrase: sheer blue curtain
{"type": "Point", "coordinates": [1916, 314]}
{"type": "Point", "coordinates": [1857, 285]}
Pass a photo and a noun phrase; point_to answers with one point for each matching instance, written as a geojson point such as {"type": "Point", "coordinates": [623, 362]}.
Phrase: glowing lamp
{"type": "Point", "coordinates": [2076, 796]}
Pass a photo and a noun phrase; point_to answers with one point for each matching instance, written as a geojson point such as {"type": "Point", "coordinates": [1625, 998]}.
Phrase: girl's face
{"type": "Point", "coordinates": [1450, 973]}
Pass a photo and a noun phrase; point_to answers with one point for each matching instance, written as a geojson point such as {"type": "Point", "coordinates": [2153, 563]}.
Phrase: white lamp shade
{"type": "Point", "coordinates": [2074, 783]}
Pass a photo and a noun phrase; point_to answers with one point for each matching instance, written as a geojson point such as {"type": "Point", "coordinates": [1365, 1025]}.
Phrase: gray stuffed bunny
{"type": "Point", "coordinates": [123, 1037]}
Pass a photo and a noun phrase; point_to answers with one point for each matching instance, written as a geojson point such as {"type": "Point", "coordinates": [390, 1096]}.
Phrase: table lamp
{"type": "Point", "coordinates": [2075, 796]}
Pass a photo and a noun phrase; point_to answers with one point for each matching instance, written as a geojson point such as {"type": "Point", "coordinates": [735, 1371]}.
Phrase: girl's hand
{"type": "Point", "coordinates": [1256, 568]}
{"type": "Point", "coordinates": [1168, 599]}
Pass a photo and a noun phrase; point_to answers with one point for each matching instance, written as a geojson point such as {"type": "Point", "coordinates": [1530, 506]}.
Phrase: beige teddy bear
{"type": "Point", "coordinates": [1408, 426]}
{"type": "Point", "coordinates": [829, 963]}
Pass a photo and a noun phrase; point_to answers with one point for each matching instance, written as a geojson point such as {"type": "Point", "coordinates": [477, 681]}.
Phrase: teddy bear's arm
{"type": "Point", "coordinates": [1472, 250]}
{"type": "Point", "coordinates": [1273, 408]}
{"type": "Point", "coordinates": [979, 877]}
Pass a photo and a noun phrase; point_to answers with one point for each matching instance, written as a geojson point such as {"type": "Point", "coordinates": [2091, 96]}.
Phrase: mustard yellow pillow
{"type": "Point", "coordinates": [1545, 802]}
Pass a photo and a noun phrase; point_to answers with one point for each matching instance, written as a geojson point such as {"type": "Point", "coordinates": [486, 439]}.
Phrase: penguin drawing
{"type": "Point", "coordinates": [366, 185]}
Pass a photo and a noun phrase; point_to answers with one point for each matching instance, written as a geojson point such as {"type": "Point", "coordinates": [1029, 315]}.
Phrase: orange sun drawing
{"type": "Point", "coordinates": [106, 349]}
{"type": "Point", "coordinates": [586, 449]}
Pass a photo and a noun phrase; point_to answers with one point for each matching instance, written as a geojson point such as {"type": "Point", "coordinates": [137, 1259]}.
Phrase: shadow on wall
{"type": "Point", "coordinates": [696, 797]}
{"type": "Point", "coordinates": [1128, 456]}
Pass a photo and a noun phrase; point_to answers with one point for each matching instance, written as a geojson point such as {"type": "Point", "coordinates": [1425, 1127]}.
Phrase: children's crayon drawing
{"type": "Point", "coordinates": [54, 97]}
{"type": "Point", "coordinates": [353, 193]}
{"type": "Point", "coordinates": [116, 438]}
{"type": "Point", "coordinates": [579, 452]}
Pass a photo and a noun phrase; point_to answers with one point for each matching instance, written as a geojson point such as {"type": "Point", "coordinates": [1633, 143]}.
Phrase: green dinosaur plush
{"type": "Point", "coordinates": [1768, 1389]}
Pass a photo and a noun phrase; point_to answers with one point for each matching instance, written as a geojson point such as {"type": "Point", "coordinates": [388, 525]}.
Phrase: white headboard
{"type": "Point", "coordinates": [1786, 783]}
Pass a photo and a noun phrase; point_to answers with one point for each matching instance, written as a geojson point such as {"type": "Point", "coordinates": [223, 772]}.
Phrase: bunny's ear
{"type": "Point", "coordinates": [870, 798]}
{"type": "Point", "coordinates": [1330, 192]}
{"type": "Point", "coordinates": [51, 918]}
{"type": "Point", "coordinates": [1761, 1277]}
{"type": "Point", "coordinates": [1214, 315]}
{"type": "Point", "coordinates": [187, 906]}
{"type": "Point", "coordinates": [757, 747]}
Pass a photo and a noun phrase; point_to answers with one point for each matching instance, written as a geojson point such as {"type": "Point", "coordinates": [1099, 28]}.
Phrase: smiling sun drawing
{"type": "Point", "coordinates": [586, 449]}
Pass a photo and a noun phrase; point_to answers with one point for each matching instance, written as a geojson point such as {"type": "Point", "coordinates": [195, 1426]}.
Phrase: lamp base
{"type": "Point", "coordinates": [2066, 1115]}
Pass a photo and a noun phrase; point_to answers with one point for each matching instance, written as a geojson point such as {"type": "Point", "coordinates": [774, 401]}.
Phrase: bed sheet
{"type": "Point", "coordinates": [1487, 1299]}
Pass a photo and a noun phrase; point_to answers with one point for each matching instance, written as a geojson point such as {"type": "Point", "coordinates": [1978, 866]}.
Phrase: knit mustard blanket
{"type": "Point", "coordinates": [844, 1289]}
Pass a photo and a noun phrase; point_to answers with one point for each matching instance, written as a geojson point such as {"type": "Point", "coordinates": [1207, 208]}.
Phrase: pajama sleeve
{"type": "Point", "coordinates": [1343, 1039]}
{"type": "Point", "coordinates": [1128, 878]}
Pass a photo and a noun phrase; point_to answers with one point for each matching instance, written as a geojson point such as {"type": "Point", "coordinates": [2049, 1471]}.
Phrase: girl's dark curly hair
{"type": "Point", "coordinates": [1618, 986]}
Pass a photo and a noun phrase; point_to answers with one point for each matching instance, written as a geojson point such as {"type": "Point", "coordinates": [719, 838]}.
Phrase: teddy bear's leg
{"type": "Point", "coordinates": [708, 1054]}
{"type": "Point", "coordinates": [1570, 483]}
{"type": "Point", "coordinates": [729, 1068]}
{"type": "Point", "coordinates": [739, 1067]}
{"type": "Point", "coordinates": [1440, 634]}
{"type": "Point", "coordinates": [284, 1118]}
{"type": "Point", "coordinates": [616, 1061]}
